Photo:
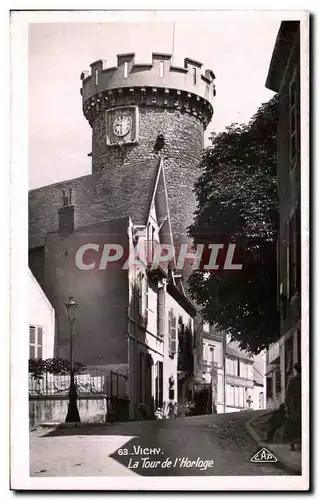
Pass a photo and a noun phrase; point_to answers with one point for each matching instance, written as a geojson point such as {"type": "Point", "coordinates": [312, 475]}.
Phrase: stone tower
{"type": "Point", "coordinates": [146, 119]}
{"type": "Point", "coordinates": [129, 105]}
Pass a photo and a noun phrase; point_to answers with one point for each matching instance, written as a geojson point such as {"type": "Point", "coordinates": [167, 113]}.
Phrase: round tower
{"type": "Point", "coordinates": [140, 111]}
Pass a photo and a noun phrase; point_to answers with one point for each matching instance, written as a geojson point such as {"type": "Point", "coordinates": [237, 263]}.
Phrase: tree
{"type": "Point", "coordinates": [237, 203]}
{"type": "Point", "coordinates": [56, 366]}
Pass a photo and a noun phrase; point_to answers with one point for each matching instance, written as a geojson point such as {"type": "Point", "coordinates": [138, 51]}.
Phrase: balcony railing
{"type": "Point", "coordinates": [273, 352]}
{"type": "Point", "coordinates": [241, 381]}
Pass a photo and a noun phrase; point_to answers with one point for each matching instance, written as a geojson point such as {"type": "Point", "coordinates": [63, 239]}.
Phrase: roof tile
{"type": "Point", "coordinates": [98, 197]}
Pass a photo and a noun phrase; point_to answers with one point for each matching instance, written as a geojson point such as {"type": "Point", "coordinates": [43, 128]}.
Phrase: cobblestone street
{"type": "Point", "coordinates": [95, 451]}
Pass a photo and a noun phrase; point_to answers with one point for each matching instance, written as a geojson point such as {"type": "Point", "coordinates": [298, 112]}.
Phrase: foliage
{"type": "Point", "coordinates": [56, 366]}
{"type": "Point", "coordinates": [238, 203]}
{"type": "Point", "coordinates": [37, 368]}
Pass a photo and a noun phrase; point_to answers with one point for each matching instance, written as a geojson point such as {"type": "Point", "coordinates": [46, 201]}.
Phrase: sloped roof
{"type": "Point", "coordinates": [34, 283]}
{"type": "Point", "coordinates": [283, 45]}
{"type": "Point", "coordinates": [258, 378]}
{"type": "Point", "coordinates": [97, 198]}
{"type": "Point", "coordinates": [232, 349]}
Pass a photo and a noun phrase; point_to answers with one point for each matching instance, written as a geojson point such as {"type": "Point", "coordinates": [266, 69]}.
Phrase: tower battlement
{"type": "Point", "coordinates": [157, 83]}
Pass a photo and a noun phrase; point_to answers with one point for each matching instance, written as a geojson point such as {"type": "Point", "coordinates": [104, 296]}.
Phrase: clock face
{"type": "Point", "coordinates": [122, 125]}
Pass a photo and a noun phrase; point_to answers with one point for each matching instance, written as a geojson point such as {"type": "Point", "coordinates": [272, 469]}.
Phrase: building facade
{"type": "Point", "coordinates": [41, 322]}
{"type": "Point", "coordinates": [213, 365]}
{"type": "Point", "coordinates": [148, 123]}
{"type": "Point", "coordinates": [237, 380]}
{"type": "Point", "coordinates": [284, 78]}
{"type": "Point", "coordinates": [260, 382]}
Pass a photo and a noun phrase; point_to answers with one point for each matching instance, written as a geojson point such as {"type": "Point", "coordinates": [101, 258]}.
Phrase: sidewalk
{"type": "Point", "coordinates": [291, 460]}
{"type": "Point", "coordinates": [76, 455]}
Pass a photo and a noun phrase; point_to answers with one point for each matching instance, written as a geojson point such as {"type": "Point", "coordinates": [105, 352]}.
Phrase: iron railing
{"type": "Point", "coordinates": [89, 381]}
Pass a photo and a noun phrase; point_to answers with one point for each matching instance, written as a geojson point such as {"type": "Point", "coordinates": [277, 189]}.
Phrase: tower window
{"type": "Point", "coordinates": [96, 77]}
{"type": "Point", "coordinates": [161, 69]}
{"type": "Point", "coordinates": [125, 70]}
{"type": "Point", "coordinates": [211, 355]}
{"type": "Point", "coordinates": [194, 76]}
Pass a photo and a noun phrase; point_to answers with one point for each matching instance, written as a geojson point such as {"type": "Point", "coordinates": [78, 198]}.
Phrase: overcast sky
{"type": "Point", "coordinates": [237, 48]}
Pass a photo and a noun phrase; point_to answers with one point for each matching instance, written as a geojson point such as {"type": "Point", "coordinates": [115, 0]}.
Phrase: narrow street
{"type": "Point", "coordinates": [209, 444]}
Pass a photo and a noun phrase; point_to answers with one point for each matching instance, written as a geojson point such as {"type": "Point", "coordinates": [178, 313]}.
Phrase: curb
{"type": "Point", "coordinates": [289, 468]}
{"type": "Point", "coordinates": [72, 425]}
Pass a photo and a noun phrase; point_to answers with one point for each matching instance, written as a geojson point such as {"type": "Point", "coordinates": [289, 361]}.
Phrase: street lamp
{"type": "Point", "coordinates": [73, 412]}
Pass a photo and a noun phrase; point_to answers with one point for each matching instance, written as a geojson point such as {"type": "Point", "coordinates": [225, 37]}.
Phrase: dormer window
{"type": "Point", "coordinates": [194, 76]}
{"type": "Point", "coordinates": [125, 69]}
{"type": "Point", "coordinates": [161, 69]}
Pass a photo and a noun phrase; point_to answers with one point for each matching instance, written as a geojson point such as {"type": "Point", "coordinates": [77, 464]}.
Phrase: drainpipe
{"type": "Point", "coordinates": [132, 366]}
{"type": "Point", "coordinates": [224, 369]}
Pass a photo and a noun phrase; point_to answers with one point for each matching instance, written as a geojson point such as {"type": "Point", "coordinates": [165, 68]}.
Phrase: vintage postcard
{"type": "Point", "coordinates": [159, 320]}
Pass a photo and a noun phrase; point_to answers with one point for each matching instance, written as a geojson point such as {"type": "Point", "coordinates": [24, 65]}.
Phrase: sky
{"type": "Point", "coordinates": [237, 47]}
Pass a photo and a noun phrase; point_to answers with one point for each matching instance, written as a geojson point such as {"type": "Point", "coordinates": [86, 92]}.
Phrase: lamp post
{"type": "Point", "coordinates": [73, 412]}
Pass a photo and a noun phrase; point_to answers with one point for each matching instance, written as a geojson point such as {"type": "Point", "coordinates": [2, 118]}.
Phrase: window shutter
{"type": "Point", "coordinates": [173, 334]}
{"type": "Point", "coordinates": [146, 295]}
{"type": "Point", "coordinates": [32, 342]}
{"type": "Point", "coordinates": [40, 342]}
{"type": "Point", "coordinates": [143, 295]}
{"type": "Point", "coordinates": [32, 352]}
{"type": "Point", "coordinates": [169, 331]}
{"type": "Point", "coordinates": [160, 382]}
{"type": "Point", "coordinates": [143, 300]}
{"type": "Point", "coordinates": [139, 296]}
{"type": "Point", "coordinates": [160, 312]}
{"type": "Point", "coordinates": [32, 334]}
{"type": "Point", "coordinates": [40, 336]}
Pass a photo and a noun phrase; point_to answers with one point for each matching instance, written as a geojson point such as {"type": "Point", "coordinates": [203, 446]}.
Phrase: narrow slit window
{"type": "Point", "coordinates": [194, 76]}
{"type": "Point", "coordinates": [96, 77]}
{"type": "Point", "coordinates": [161, 69]}
{"type": "Point", "coordinates": [125, 70]}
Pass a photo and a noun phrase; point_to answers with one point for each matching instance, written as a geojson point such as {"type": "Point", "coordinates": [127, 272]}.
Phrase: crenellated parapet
{"type": "Point", "coordinates": [156, 84]}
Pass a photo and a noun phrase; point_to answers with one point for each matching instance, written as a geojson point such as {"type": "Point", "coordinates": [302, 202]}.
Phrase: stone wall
{"type": "Point", "coordinates": [182, 155]}
{"type": "Point", "coordinates": [289, 193]}
{"type": "Point", "coordinates": [54, 410]}
{"type": "Point", "coordinates": [102, 294]}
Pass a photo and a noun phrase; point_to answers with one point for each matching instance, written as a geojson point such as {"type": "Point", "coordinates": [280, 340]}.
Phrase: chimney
{"type": "Point", "coordinates": [66, 213]}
